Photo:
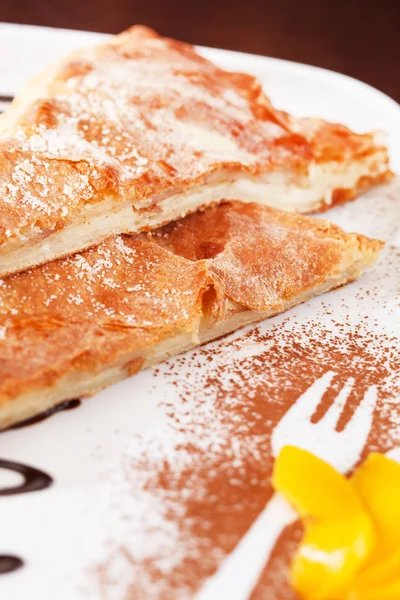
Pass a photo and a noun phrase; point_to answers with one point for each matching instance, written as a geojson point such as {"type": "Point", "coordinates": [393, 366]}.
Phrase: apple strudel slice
{"type": "Point", "coordinates": [136, 133]}
{"type": "Point", "coordinates": [79, 324]}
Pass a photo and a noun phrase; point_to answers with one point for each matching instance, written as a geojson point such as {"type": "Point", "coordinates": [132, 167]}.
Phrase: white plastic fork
{"type": "Point", "coordinates": [241, 570]}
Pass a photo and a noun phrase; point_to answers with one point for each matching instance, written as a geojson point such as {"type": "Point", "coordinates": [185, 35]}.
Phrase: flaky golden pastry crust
{"type": "Point", "coordinates": [83, 322]}
{"type": "Point", "coordinates": [82, 312]}
{"type": "Point", "coordinates": [264, 257]}
{"type": "Point", "coordinates": [142, 119]}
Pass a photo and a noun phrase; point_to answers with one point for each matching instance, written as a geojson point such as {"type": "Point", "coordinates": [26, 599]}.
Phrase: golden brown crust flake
{"type": "Point", "coordinates": [82, 313]}
{"type": "Point", "coordinates": [143, 116]}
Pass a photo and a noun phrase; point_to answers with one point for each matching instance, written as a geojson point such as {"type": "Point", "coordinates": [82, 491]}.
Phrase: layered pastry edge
{"type": "Point", "coordinates": [246, 149]}
{"type": "Point", "coordinates": [191, 281]}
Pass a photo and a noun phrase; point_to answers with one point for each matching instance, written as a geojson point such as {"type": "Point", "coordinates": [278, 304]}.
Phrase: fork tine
{"type": "Point", "coordinates": [361, 421]}
{"type": "Point", "coordinates": [332, 415]}
{"type": "Point", "coordinates": [306, 404]}
{"type": "Point", "coordinates": [300, 412]}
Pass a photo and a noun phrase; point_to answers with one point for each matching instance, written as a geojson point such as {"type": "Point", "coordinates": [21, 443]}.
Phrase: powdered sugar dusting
{"type": "Point", "coordinates": [76, 313]}
{"type": "Point", "coordinates": [136, 117]}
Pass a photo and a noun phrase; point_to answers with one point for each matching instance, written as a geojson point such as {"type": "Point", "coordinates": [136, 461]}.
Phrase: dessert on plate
{"type": "Point", "coordinates": [79, 324]}
{"type": "Point", "coordinates": [133, 134]}
{"type": "Point", "coordinates": [132, 170]}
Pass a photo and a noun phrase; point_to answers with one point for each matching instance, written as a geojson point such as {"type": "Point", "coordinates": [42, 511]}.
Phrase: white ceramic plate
{"type": "Point", "coordinates": [65, 532]}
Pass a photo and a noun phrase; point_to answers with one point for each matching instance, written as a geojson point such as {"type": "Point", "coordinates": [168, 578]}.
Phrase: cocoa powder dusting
{"type": "Point", "coordinates": [211, 468]}
{"type": "Point", "coordinates": [204, 476]}
{"type": "Point", "coordinates": [273, 583]}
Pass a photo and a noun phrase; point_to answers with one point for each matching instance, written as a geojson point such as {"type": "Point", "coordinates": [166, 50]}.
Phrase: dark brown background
{"type": "Point", "coordinates": [358, 38]}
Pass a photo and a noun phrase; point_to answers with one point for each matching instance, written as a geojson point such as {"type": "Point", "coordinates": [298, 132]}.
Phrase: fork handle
{"type": "Point", "coordinates": [241, 570]}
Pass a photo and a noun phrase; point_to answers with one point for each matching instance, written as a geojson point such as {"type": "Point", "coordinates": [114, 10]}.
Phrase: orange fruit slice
{"type": "Point", "coordinates": [339, 534]}
{"type": "Point", "coordinates": [377, 481]}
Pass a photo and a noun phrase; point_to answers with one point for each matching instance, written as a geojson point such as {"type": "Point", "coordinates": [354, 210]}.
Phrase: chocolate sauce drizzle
{"type": "Point", "coordinates": [33, 480]}
{"type": "Point", "coordinates": [68, 405]}
{"type": "Point", "coordinates": [5, 99]}
{"type": "Point", "coordinates": [9, 563]}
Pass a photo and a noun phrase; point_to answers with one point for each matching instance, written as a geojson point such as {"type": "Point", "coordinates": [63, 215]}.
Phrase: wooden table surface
{"type": "Point", "coordinates": [359, 38]}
